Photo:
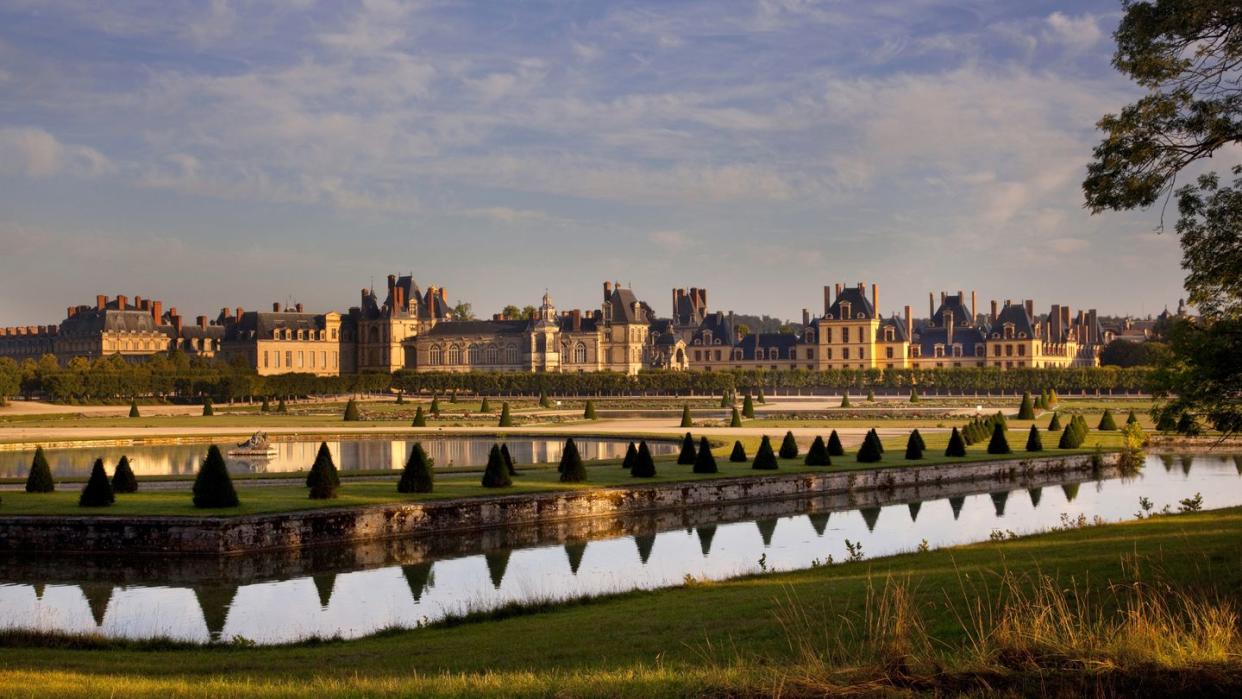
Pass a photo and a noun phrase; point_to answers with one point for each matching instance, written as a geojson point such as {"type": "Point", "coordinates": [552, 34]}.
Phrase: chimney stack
{"type": "Point", "coordinates": [948, 324]}
{"type": "Point", "coordinates": [101, 302]}
{"type": "Point", "coordinates": [974, 314]}
{"type": "Point", "coordinates": [297, 307]}
{"type": "Point", "coordinates": [993, 310]}
{"type": "Point", "coordinates": [577, 316]}
{"type": "Point", "coordinates": [837, 289]}
{"type": "Point", "coordinates": [909, 324]}
{"type": "Point", "coordinates": [607, 292]}
{"type": "Point", "coordinates": [875, 299]}
{"type": "Point", "coordinates": [202, 321]}
{"type": "Point", "coordinates": [827, 298]}
{"type": "Point", "coordinates": [392, 282]}
{"type": "Point", "coordinates": [931, 305]}
{"type": "Point", "coordinates": [176, 321]}
{"type": "Point", "coordinates": [240, 311]}
{"type": "Point", "coordinates": [806, 317]}
{"type": "Point", "coordinates": [444, 295]}
{"type": "Point", "coordinates": [1030, 308]}
{"type": "Point", "coordinates": [121, 302]}
{"type": "Point", "coordinates": [157, 311]}
{"type": "Point", "coordinates": [138, 303]}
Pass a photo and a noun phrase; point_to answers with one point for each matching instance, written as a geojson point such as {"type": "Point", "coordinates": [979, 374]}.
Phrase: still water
{"type": "Point", "coordinates": [349, 455]}
{"type": "Point", "coordinates": [352, 592]}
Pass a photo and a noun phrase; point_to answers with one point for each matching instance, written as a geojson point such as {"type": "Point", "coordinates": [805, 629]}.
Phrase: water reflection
{"type": "Point", "coordinates": [355, 591]}
{"type": "Point", "coordinates": [349, 455]}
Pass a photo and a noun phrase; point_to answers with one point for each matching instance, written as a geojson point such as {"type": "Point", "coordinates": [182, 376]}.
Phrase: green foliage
{"type": "Point", "coordinates": [736, 419]}
{"type": "Point", "coordinates": [1131, 418]}
{"type": "Point", "coordinates": [1033, 440]}
{"type": "Point", "coordinates": [687, 455]}
{"type": "Point", "coordinates": [40, 478]}
{"type": "Point", "coordinates": [765, 460]}
{"type": "Point", "coordinates": [420, 420]}
{"type": "Point", "coordinates": [98, 491]}
{"type": "Point", "coordinates": [738, 455]}
{"type": "Point", "coordinates": [571, 468]}
{"type": "Point", "coordinates": [323, 478]}
{"type": "Point", "coordinates": [748, 407]}
{"type": "Point", "coordinates": [845, 400]}
{"type": "Point", "coordinates": [725, 400]}
{"type": "Point", "coordinates": [915, 446]}
{"type": "Point", "coordinates": [835, 448]}
{"type": "Point", "coordinates": [123, 478]}
{"type": "Point", "coordinates": [589, 412]}
{"type": "Point", "coordinates": [486, 407]}
{"type": "Point", "coordinates": [914, 395]}
{"type": "Point", "coordinates": [762, 399]}
{"type": "Point", "coordinates": [818, 455]}
{"type": "Point", "coordinates": [351, 411]}
{"type": "Point", "coordinates": [870, 396]}
{"type": "Point", "coordinates": [644, 465]}
{"type": "Point", "coordinates": [999, 444]}
{"type": "Point", "coordinates": [133, 409]}
{"type": "Point", "coordinates": [875, 436]}
{"type": "Point", "coordinates": [1124, 353]}
{"type": "Point", "coordinates": [1053, 399]}
{"type": "Point", "coordinates": [870, 451]}
{"type": "Point", "coordinates": [789, 446]}
{"type": "Point", "coordinates": [1204, 375]}
{"type": "Point", "coordinates": [957, 445]}
{"type": "Point", "coordinates": [1054, 425]}
{"type": "Point", "coordinates": [631, 457]}
{"type": "Point", "coordinates": [212, 486]}
{"type": "Point", "coordinates": [496, 474]}
{"type": "Point", "coordinates": [1166, 422]}
{"type": "Point", "coordinates": [417, 476]}
{"type": "Point", "coordinates": [506, 420]}
{"type": "Point", "coordinates": [400, 398]}
{"type": "Point", "coordinates": [704, 462]}
{"type": "Point", "coordinates": [1188, 425]}
{"type": "Point", "coordinates": [1107, 423]}
{"type": "Point", "coordinates": [208, 409]}
{"type": "Point", "coordinates": [686, 420]}
{"type": "Point", "coordinates": [435, 407]}
{"type": "Point", "coordinates": [504, 453]}
{"type": "Point", "coordinates": [1026, 411]}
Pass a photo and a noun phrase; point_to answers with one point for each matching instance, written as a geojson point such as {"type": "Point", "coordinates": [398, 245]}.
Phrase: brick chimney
{"type": "Point", "coordinates": [577, 320]}
{"type": "Point", "coordinates": [875, 299]}
{"type": "Point", "coordinates": [948, 324]}
{"type": "Point", "coordinates": [101, 302]}
{"type": "Point", "coordinates": [398, 297]}
{"type": "Point", "coordinates": [157, 311]}
{"type": "Point", "coordinates": [202, 321]}
{"type": "Point", "coordinates": [176, 321]}
{"type": "Point", "coordinates": [240, 311]}
{"type": "Point", "coordinates": [806, 317]}
{"type": "Point", "coordinates": [974, 314]}
{"type": "Point", "coordinates": [138, 303]}
{"type": "Point", "coordinates": [71, 312]}
{"type": "Point", "coordinates": [296, 307]}
{"type": "Point", "coordinates": [1030, 308]}
{"type": "Point", "coordinates": [275, 307]}
{"type": "Point", "coordinates": [836, 290]}
{"type": "Point", "coordinates": [607, 292]}
{"type": "Point", "coordinates": [931, 305]}
{"type": "Point", "coordinates": [121, 302]}
{"type": "Point", "coordinates": [827, 298]}
{"type": "Point", "coordinates": [444, 295]}
{"type": "Point", "coordinates": [909, 324]}
{"type": "Point", "coordinates": [993, 310]}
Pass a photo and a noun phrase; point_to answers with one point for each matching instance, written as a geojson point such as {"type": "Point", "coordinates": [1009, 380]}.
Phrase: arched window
{"type": "Point", "coordinates": [511, 354]}
{"type": "Point", "coordinates": [490, 355]}
{"type": "Point", "coordinates": [580, 353]}
{"type": "Point", "coordinates": [435, 355]}
{"type": "Point", "coordinates": [454, 354]}
{"type": "Point", "coordinates": [476, 354]}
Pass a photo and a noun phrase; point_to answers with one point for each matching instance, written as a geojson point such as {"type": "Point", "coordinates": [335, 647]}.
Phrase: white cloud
{"type": "Point", "coordinates": [33, 152]}
{"type": "Point", "coordinates": [1080, 33]}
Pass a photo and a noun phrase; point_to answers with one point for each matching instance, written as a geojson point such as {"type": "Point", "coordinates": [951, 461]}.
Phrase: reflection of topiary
{"type": "Point", "coordinates": [417, 476]}
{"type": "Point", "coordinates": [957, 446]}
{"type": "Point", "coordinates": [123, 479]}
{"type": "Point", "coordinates": [98, 491]}
{"type": "Point", "coordinates": [704, 462]}
{"type": "Point", "coordinates": [817, 455]}
{"type": "Point", "coordinates": [738, 456]}
{"type": "Point", "coordinates": [765, 460]}
{"type": "Point", "coordinates": [40, 479]}
{"type": "Point", "coordinates": [571, 468]}
{"type": "Point", "coordinates": [496, 475]}
{"type": "Point", "coordinates": [212, 486]}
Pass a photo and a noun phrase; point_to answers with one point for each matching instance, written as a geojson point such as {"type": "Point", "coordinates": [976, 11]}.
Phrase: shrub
{"type": "Point", "coordinates": [724, 400]}
{"type": "Point", "coordinates": [506, 420]}
{"type": "Point", "coordinates": [765, 460]}
{"type": "Point", "coordinates": [686, 420]}
{"type": "Point", "coordinates": [1131, 418]}
{"type": "Point", "coordinates": [789, 446]}
{"type": "Point", "coordinates": [123, 478]}
{"type": "Point", "coordinates": [845, 400]}
{"type": "Point", "coordinates": [212, 486]}
{"type": "Point", "coordinates": [1033, 440]}
{"type": "Point", "coordinates": [98, 491]}
{"type": "Point", "coordinates": [762, 400]}
{"type": "Point", "coordinates": [738, 456]}
{"type": "Point", "coordinates": [1067, 438]}
{"type": "Point", "coordinates": [589, 412]}
{"type": "Point", "coordinates": [544, 401]}
{"type": "Point", "coordinates": [1188, 425]}
{"type": "Point", "coordinates": [736, 420]}
{"type": "Point", "coordinates": [914, 395]}
{"type": "Point", "coordinates": [400, 398]}
{"type": "Point", "coordinates": [504, 453]}
{"type": "Point", "coordinates": [420, 419]}
{"type": "Point", "coordinates": [631, 455]}
{"type": "Point", "coordinates": [417, 476]}
{"type": "Point", "coordinates": [208, 409]}
{"type": "Point", "coordinates": [704, 462]}
{"type": "Point", "coordinates": [435, 407]}
{"type": "Point", "coordinates": [1054, 425]}
{"type": "Point", "coordinates": [496, 475]}
{"type": "Point", "coordinates": [323, 479]}
{"type": "Point", "coordinates": [919, 437]}
{"type": "Point", "coordinates": [351, 411]}
{"type": "Point", "coordinates": [870, 395]}
{"type": "Point", "coordinates": [133, 408]}
{"type": "Point", "coordinates": [40, 478]}
{"type": "Point", "coordinates": [1026, 411]}
{"type": "Point", "coordinates": [1166, 422]}
{"type": "Point", "coordinates": [687, 455]}
{"type": "Point", "coordinates": [869, 452]}
{"type": "Point", "coordinates": [957, 445]}
{"type": "Point", "coordinates": [835, 448]}
{"type": "Point", "coordinates": [486, 406]}
{"type": "Point", "coordinates": [1107, 422]}
{"type": "Point", "coordinates": [748, 407]}
{"type": "Point", "coordinates": [265, 407]}
{"type": "Point", "coordinates": [878, 444]}
{"type": "Point", "coordinates": [571, 468]}
{"type": "Point", "coordinates": [817, 455]}
{"type": "Point", "coordinates": [999, 417]}
{"type": "Point", "coordinates": [644, 465]}
{"type": "Point", "coordinates": [914, 446]}
{"type": "Point", "coordinates": [1052, 397]}
{"type": "Point", "coordinates": [1000, 441]}
{"type": "Point", "coordinates": [281, 407]}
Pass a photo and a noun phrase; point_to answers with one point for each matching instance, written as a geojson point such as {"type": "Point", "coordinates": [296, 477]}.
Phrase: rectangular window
{"type": "Point", "coordinates": [717, 355]}
{"type": "Point", "coordinates": [1008, 350]}
{"type": "Point", "coordinates": [845, 352]}
{"type": "Point", "coordinates": [265, 360]}
{"type": "Point", "coordinates": [996, 350]}
{"type": "Point", "coordinates": [312, 358]}
{"type": "Point", "coordinates": [334, 360]}
{"type": "Point", "coordinates": [828, 354]}
{"type": "Point", "coordinates": [276, 358]}
{"type": "Point", "coordinates": [810, 354]}
{"type": "Point", "coordinates": [323, 359]}
{"type": "Point", "coordinates": [288, 359]}
{"type": "Point", "coordinates": [1021, 350]}
{"type": "Point", "coordinates": [827, 334]}
{"type": "Point", "coordinates": [888, 353]}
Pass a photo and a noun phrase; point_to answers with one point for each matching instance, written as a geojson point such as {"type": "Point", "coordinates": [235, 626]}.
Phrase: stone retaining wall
{"type": "Point", "coordinates": [248, 534]}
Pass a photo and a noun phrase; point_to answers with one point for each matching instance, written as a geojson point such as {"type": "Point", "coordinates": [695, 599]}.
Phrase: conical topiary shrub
{"type": "Point", "coordinates": [644, 465]}
{"type": "Point", "coordinates": [496, 475]}
{"type": "Point", "coordinates": [98, 491]}
{"type": "Point", "coordinates": [765, 460]}
{"type": "Point", "coordinates": [504, 454]}
{"type": "Point", "coordinates": [762, 399]}
{"type": "Point", "coordinates": [738, 455]}
{"type": "Point", "coordinates": [1131, 418]}
{"type": "Point", "coordinates": [879, 445]}
{"type": "Point", "coordinates": [704, 462]}
{"type": "Point", "coordinates": [1054, 425]}
{"type": "Point", "coordinates": [434, 408]}
{"type": "Point", "coordinates": [420, 419]}
{"type": "Point", "coordinates": [869, 452]}
{"type": "Point", "coordinates": [687, 455]}
{"type": "Point", "coordinates": [1052, 397]}
{"type": "Point", "coordinates": [1107, 422]}
{"type": "Point", "coordinates": [506, 420]}
{"type": "Point", "coordinates": [817, 455]}
{"type": "Point", "coordinates": [1026, 411]}
{"type": "Point", "coordinates": [123, 478]}
{"type": "Point", "coordinates": [919, 438]}
{"type": "Point", "coordinates": [914, 395]}
{"type": "Point", "coordinates": [1033, 440]}
{"type": "Point", "coordinates": [686, 420]}
{"type": "Point", "coordinates": [724, 400]}
{"type": "Point", "coordinates": [845, 400]}
{"type": "Point", "coordinates": [835, 448]}
{"type": "Point", "coordinates": [416, 477]}
{"type": "Point", "coordinates": [323, 479]}
{"type": "Point", "coordinates": [1166, 422]}
{"type": "Point", "coordinates": [133, 408]}
{"type": "Point", "coordinates": [208, 408]}
{"type": "Point", "coordinates": [914, 446]}
{"type": "Point", "coordinates": [1067, 438]}
{"type": "Point", "coordinates": [571, 468]}
{"type": "Point", "coordinates": [486, 406]}
{"type": "Point", "coordinates": [40, 478]}
{"type": "Point", "coordinates": [748, 407]}
{"type": "Point", "coordinates": [789, 446]}
{"type": "Point", "coordinates": [351, 411]}
{"type": "Point", "coordinates": [400, 398]}
{"type": "Point", "coordinates": [212, 486]}
{"type": "Point", "coordinates": [999, 443]}
{"type": "Point", "coordinates": [631, 457]}
{"type": "Point", "coordinates": [589, 412]}
{"type": "Point", "coordinates": [957, 446]}
{"type": "Point", "coordinates": [736, 419]}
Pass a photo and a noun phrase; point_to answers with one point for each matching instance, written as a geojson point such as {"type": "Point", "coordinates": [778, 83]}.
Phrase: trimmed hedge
{"type": "Point", "coordinates": [688, 454]}
{"type": "Point", "coordinates": [1033, 441]}
{"type": "Point", "coordinates": [98, 491]}
{"type": "Point", "coordinates": [765, 460]}
{"type": "Point", "coordinates": [818, 455]}
{"type": "Point", "coordinates": [915, 446]}
{"type": "Point", "coordinates": [213, 487]}
{"type": "Point", "coordinates": [323, 479]}
{"type": "Point", "coordinates": [957, 445]}
{"type": "Point", "coordinates": [40, 478]}
{"type": "Point", "coordinates": [999, 443]}
{"type": "Point", "coordinates": [789, 446]}
{"type": "Point", "coordinates": [496, 475]}
{"type": "Point", "coordinates": [704, 462]}
{"type": "Point", "coordinates": [571, 468]}
{"type": "Point", "coordinates": [417, 477]}
{"type": "Point", "coordinates": [123, 478]}
{"type": "Point", "coordinates": [644, 466]}
{"type": "Point", "coordinates": [835, 448]}
{"type": "Point", "coordinates": [738, 456]}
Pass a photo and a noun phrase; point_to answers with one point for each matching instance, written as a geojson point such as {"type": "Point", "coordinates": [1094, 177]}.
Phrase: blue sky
{"type": "Point", "coordinates": [233, 153]}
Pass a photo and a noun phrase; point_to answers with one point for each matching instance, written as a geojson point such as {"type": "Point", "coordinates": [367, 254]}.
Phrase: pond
{"type": "Point", "coordinates": [355, 591]}
{"type": "Point", "coordinates": [349, 455]}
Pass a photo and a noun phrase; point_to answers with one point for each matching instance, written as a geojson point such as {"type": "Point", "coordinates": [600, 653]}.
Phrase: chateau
{"type": "Point", "coordinates": [417, 330]}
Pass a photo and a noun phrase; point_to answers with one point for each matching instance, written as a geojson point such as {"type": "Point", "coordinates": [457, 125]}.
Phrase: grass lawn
{"type": "Point", "coordinates": [787, 632]}
{"type": "Point", "coordinates": [256, 499]}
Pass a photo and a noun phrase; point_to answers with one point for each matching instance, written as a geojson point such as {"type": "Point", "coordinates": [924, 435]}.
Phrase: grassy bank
{"type": "Point", "coordinates": [285, 498]}
{"type": "Point", "coordinates": [1144, 606]}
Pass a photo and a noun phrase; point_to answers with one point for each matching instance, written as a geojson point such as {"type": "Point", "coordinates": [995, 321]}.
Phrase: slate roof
{"type": "Point", "coordinates": [899, 326]}
{"type": "Point", "coordinates": [767, 341]}
{"type": "Point", "coordinates": [1015, 313]}
{"type": "Point", "coordinates": [927, 337]}
{"type": "Point", "coordinates": [623, 301]}
{"type": "Point", "coordinates": [588, 324]}
{"type": "Point", "coordinates": [859, 303]}
{"type": "Point", "coordinates": [718, 325]}
{"type": "Point", "coordinates": [93, 321]}
{"type": "Point", "coordinates": [961, 312]}
{"type": "Point", "coordinates": [459, 328]}
{"type": "Point", "coordinates": [261, 324]}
